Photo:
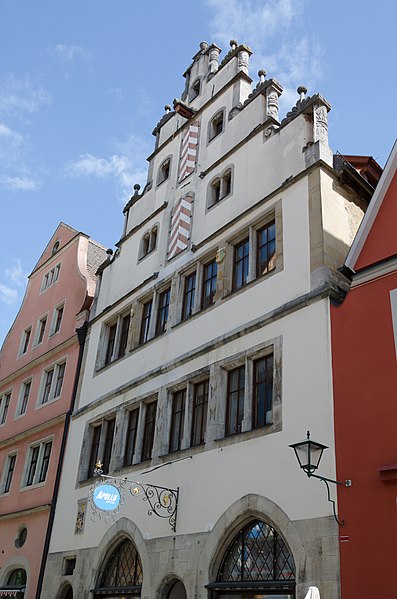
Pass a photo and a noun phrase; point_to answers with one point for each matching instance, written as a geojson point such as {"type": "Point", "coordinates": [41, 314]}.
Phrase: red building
{"type": "Point", "coordinates": [38, 364]}
{"type": "Point", "coordinates": [364, 340]}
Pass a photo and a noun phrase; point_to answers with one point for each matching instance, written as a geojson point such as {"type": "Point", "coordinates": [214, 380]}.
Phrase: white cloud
{"type": "Point", "coordinates": [21, 96]}
{"type": "Point", "coordinates": [14, 172]}
{"type": "Point", "coordinates": [275, 32]}
{"type": "Point", "coordinates": [8, 295]}
{"type": "Point", "coordinates": [14, 272]}
{"type": "Point", "coordinates": [68, 54]}
{"type": "Point", "coordinates": [18, 183]}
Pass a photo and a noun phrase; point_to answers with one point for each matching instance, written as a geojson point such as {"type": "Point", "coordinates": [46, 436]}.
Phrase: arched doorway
{"type": "Point", "coordinates": [16, 583]}
{"type": "Point", "coordinates": [256, 565]}
{"type": "Point", "coordinates": [177, 591]}
{"type": "Point", "coordinates": [122, 573]}
{"type": "Point", "coordinates": [66, 592]}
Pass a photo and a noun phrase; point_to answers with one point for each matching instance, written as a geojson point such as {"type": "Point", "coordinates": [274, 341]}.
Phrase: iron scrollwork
{"type": "Point", "coordinates": [163, 501]}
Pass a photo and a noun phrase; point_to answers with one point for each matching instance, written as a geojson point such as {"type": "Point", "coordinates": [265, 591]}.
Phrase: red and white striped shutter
{"type": "Point", "coordinates": [181, 222]}
{"type": "Point", "coordinates": [189, 151]}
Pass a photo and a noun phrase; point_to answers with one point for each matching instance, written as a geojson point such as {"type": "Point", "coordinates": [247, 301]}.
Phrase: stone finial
{"type": "Point", "coordinates": [137, 187]}
{"type": "Point", "coordinates": [302, 91]}
{"type": "Point", "coordinates": [203, 46]}
{"type": "Point", "coordinates": [109, 252]}
{"type": "Point", "coordinates": [213, 62]}
{"type": "Point", "coordinates": [167, 108]}
{"type": "Point", "coordinates": [233, 44]}
{"type": "Point", "coordinates": [261, 75]}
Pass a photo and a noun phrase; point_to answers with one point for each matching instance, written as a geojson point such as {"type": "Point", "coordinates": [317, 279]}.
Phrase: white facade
{"type": "Point", "coordinates": [273, 175]}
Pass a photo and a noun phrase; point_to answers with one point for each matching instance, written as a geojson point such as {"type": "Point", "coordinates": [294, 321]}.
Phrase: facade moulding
{"type": "Point", "coordinates": [140, 226]}
{"type": "Point", "coordinates": [239, 75]}
{"type": "Point", "coordinates": [61, 251]}
{"type": "Point", "coordinates": [379, 270]}
{"type": "Point", "coordinates": [326, 291]}
{"type": "Point", "coordinates": [26, 512]}
{"type": "Point", "coordinates": [32, 431]}
{"type": "Point", "coordinates": [153, 277]}
{"type": "Point", "coordinates": [39, 360]}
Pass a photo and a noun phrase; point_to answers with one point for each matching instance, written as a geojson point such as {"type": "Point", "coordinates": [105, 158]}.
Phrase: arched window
{"type": "Point", "coordinates": [220, 187]}
{"type": "Point", "coordinates": [164, 171]}
{"type": "Point", "coordinates": [16, 581]}
{"type": "Point", "coordinates": [153, 239]}
{"type": "Point", "coordinates": [122, 572]}
{"type": "Point", "coordinates": [194, 90]}
{"type": "Point", "coordinates": [215, 126]}
{"type": "Point", "coordinates": [256, 563]}
{"type": "Point", "coordinates": [177, 591]}
{"type": "Point", "coordinates": [145, 244]}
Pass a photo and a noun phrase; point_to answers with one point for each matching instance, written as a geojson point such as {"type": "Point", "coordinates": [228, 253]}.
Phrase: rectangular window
{"type": "Point", "coordinates": [200, 408]}
{"type": "Point", "coordinates": [262, 392]}
{"type": "Point", "coordinates": [266, 249]}
{"type": "Point", "coordinates": [96, 437]}
{"type": "Point", "coordinates": [25, 340]}
{"type": "Point", "coordinates": [25, 391]}
{"type": "Point", "coordinates": [49, 375]}
{"type": "Point", "coordinates": [177, 420]}
{"type": "Point", "coordinates": [125, 327]}
{"type": "Point", "coordinates": [45, 460]}
{"type": "Point", "coordinates": [235, 400]}
{"type": "Point", "coordinates": [162, 312]}
{"type": "Point", "coordinates": [131, 437]}
{"type": "Point", "coordinates": [4, 405]}
{"type": "Point", "coordinates": [58, 319]}
{"type": "Point", "coordinates": [240, 264]}
{"type": "Point", "coordinates": [52, 382]}
{"type": "Point", "coordinates": [188, 295]}
{"type": "Point", "coordinates": [148, 433]}
{"type": "Point", "coordinates": [51, 277]}
{"type": "Point", "coordinates": [209, 283]}
{"type": "Point", "coordinates": [146, 314]}
{"type": "Point", "coordinates": [110, 343]}
{"type": "Point", "coordinates": [107, 452]}
{"type": "Point", "coordinates": [9, 470]}
{"type": "Point", "coordinates": [38, 463]}
{"type": "Point", "coordinates": [41, 329]}
{"type": "Point", "coordinates": [60, 373]}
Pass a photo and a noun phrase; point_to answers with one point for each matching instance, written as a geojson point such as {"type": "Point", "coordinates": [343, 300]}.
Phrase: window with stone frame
{"type": "Point", "coordinates": [52, 382]}
{"type": "Point", "coordinates": [220, 187]}
{"type": "Point", "coordinates": [149, 430]}
{"type": "Point", "coordinates": [163, 310]}
{"type": "Point", "coordinates": [200, 410]}
{"type": "Point", "coordinates": [4, 406]}
{"type": "Point", "coordinates": [100, 438]}
{"type": "Point", "coordinates": [250, 390]}
{"type": "Point", "coordinates": [177, 420]}
{"type": "Point", "coordinates": [241, 252]}
{"type": "Point", "coordinates": [24, 397]}
{"type": "Point", "coordinates": [210, 273]}
{"type": "Point", "coordinates": [148, 242]}
{"type": "Point", "coordinates": [131, 437]}
{"type": "Point", "coordinates": [121, 574]}
{"type": "Point", "coordinates": [41, 327]}
{"type": "Point", "coordinates": [189, 291]}
{"type": "Point", "coordinates": [8, 472]}
{"type": "Point", "coordinates": [51, 277]}
{"type": "Point", "coordinates": [266, 248]}
{"type": "Point", "coordinates": [115, 338]}
{"type": "Point", "coordinates": [38, 460]}
{"type": "Point", "coordinates": [145, 321]}
{"type": "Point", "coordinates": [216, 125]}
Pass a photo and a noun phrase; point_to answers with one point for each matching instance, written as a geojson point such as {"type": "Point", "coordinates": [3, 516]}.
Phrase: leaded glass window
{"type": "Point", "coordinates": [257, 560]}
{"type": "Point", "coordinates": [123, 571]}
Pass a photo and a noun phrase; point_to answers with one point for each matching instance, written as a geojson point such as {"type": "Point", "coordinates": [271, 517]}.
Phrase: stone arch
{"type": "Point", "coordinates": [237, 515]}
{"type": "Point", "coordinates": [65, 591]}
{"type": "Point", "coordinates": [172, 587]}
{"type": "Point", "coordinates": [121, 530]}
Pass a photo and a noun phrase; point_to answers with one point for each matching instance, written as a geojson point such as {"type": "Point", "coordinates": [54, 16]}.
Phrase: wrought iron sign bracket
{"type": "Point", "coordinates": [162, 501]}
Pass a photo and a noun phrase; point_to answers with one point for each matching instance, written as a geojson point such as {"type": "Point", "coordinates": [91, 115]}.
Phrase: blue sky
{"type": "Point", "coordinates": [83, 83]}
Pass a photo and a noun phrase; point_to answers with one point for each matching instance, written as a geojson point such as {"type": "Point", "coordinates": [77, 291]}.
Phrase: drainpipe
{"type": "Point", "coordinates": [81, 335]}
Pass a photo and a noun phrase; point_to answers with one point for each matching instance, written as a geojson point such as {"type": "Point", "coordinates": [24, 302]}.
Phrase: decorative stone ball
{"type": "Point", "coordinates": [137, 187]}
{"type": "Point", "coordinates": [302, 89]}
{"type": "Point", "coordinates": [261, 73]}
{"type": "Point", "coordinates": [203, 46]}
{"type": "Point", "coordinates": [233, 43]}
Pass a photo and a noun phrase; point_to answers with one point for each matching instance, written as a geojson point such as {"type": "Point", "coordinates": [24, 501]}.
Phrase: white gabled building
{"type": "Point", "coordinates": [209, 354]}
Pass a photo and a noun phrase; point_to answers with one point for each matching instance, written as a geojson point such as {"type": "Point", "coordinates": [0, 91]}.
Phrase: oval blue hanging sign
{"type": "Point", "coordinates": [106, 497]}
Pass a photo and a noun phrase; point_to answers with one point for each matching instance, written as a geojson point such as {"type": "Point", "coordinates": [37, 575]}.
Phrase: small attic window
{"type": "Point", "coordinates": [55, 247]}
{"type": "Point", "coordinates": [194, 90]}
{"type": "Point", "coordinates": [164, 171]}
{"type": "Point", "coordinates": [215, 126]}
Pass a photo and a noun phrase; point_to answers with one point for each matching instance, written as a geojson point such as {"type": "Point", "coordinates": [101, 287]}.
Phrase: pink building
{"type": "Point", "coordinates": [39, 364]}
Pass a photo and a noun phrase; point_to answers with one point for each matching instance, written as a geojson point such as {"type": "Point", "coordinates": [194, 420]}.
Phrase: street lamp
{"type": "Point", "coordinates": [309, 454]}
